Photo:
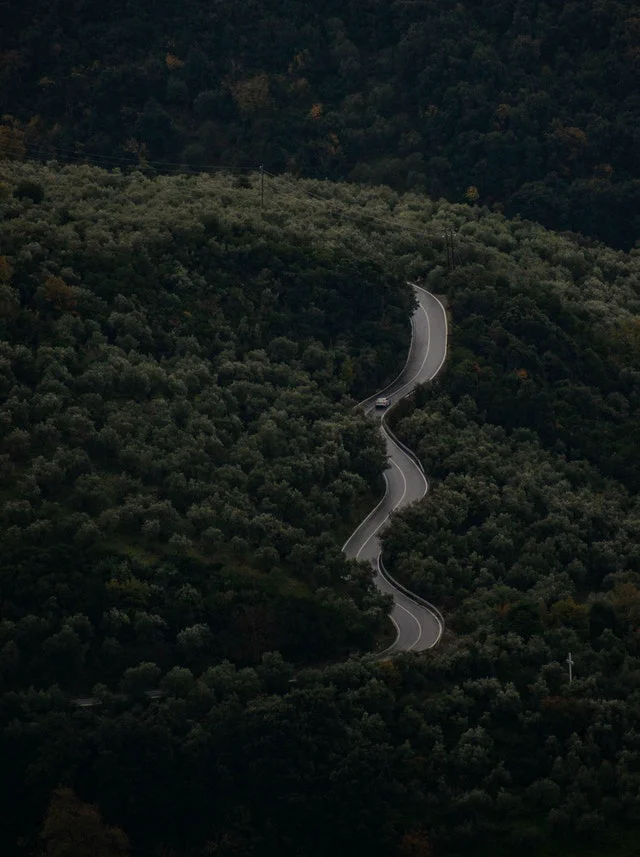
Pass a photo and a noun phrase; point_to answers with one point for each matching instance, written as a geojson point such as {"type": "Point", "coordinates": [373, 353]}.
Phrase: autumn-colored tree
{"type": "Point", "coordinates": [502, 114]}
{"type": "Point", "coordinates": [415, 843]}
{"type": "Point", "coordinates": [57, 292]}
{"type": "Point", "coordinates": [11, 138]}
{"type": "Point", "coordinates": [333, 144]}
{"type": "Point", "coordinates": [173, 62]}
{"type": "Point", "coordinates": [299, 62]}
{"type": "Point", "coordinates": [251, 95]}
{"type": "Point", "coordinates": [76, 829]}
{"type": "Point", "coordinates": [472, 194]}
{"type": "Point", "coordinates": [139, 149]}
{"type": "Point", "coordinates": [6, 270]}
{"type": "Point", "coordinates": [389, 672]}
{"type": "Point", "coordinates": [572, 143]}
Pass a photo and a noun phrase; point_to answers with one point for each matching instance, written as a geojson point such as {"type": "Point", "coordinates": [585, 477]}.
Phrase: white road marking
{"type": "Point", "coordinates": [409, 383]}
{"type": "Point", "coordinates": [392, 645]}
{"type": "Point", "coordinates": [370, 515]}
{"type": "Point", "coordinates": [404, 480]}
{"type": "Point", "coordinates": [402, 607]}
{"type": "Point", "coordinates": [406, 362]}
{"type": "Point", "coordinates": [416, 620]}
{"type": "Point", "coordinates": [408, 457]}
{"type": "Point", "coordinates": [399, 450]}
{"type": "Point", "coordinates": [387, 516]}
{"type": "Point", "coordinates": [446, 327]}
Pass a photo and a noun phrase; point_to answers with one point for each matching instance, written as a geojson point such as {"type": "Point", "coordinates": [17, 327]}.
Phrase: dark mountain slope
{"type": "Point", "coordinates": [533, 106]}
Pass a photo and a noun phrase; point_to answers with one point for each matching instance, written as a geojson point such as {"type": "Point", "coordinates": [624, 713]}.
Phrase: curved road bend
{"type": "Point", "coordinates": [418, 628]}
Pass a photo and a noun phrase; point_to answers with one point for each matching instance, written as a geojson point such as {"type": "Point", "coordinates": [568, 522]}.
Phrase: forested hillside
{"type": "Point", "coordinates": [177, 453]}
{"type": "Point", "coordinates": [529, 105]}
{"type": "Point", "coordinates": [529, 540]}
{"type": "Point", "coordinates": [182, 462]}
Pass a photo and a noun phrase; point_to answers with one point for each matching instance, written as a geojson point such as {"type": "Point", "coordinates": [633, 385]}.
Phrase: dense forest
{"type": "Point", "coordinates": [528, 106]}
{"type": "Point", "coordinates": [530, 541]}
{"type": "Point", "coordinates": [181, 462]}
{"type": "Point", "coordinates": [178, 445]}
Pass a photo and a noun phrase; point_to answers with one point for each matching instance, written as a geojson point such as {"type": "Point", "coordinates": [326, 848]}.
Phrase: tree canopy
{"type": "Point", "coordinates": [185, 664]}
{"type": "Point", "coordinates": [530, 106]}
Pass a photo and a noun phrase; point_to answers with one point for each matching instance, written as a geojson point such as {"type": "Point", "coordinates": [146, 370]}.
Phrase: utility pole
{"type": "Point", "coordinates": [261, 185]}
{"type": "Point", "coordinates": [570, 662]}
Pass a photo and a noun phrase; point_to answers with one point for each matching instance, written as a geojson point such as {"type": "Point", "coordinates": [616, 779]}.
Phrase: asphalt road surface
{"type": "Point", "coordinates": [419, 625]}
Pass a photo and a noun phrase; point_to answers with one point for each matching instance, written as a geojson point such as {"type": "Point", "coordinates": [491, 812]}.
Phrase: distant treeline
{"type": "Point", "coordinates": [530, 106]}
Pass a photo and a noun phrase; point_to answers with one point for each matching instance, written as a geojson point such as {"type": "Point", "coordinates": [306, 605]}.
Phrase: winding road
{"type": "Point", "coordinates": [419, 625]}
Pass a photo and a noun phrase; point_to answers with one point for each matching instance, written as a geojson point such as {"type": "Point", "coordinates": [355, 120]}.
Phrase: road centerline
{"type": "Point", "coordinates": [424, 337]}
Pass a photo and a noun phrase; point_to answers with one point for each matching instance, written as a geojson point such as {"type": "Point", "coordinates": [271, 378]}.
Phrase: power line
{"type": "Point", "coordinates": [45, 151]}
{"type": "Point", "coordinates": [336, 207]}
